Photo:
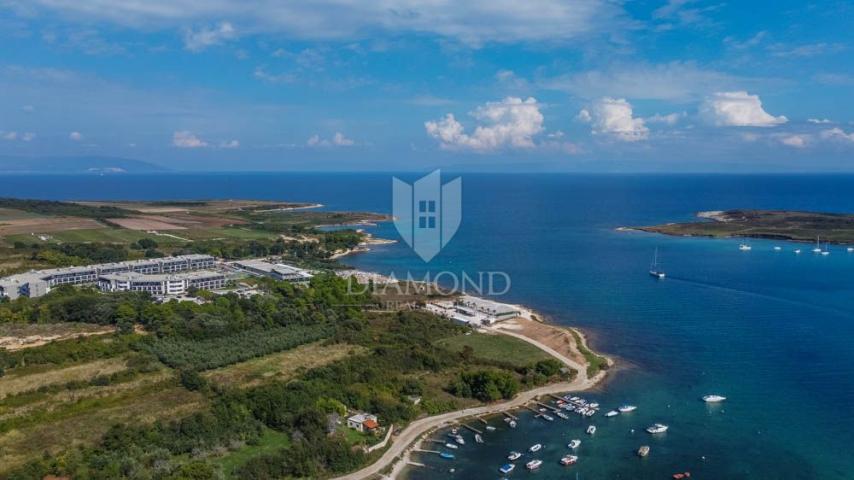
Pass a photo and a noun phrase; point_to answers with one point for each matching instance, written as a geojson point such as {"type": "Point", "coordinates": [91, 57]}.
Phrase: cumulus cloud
{"type": "Point", "coordinates": [9, 135]}
{"type": "Point", "coordinates": [837, 134]}
{"type": "Point", "coordinates": [479, 21]}
{"type": "Point", "coordinates": [198, 40]}
{"type": "Point", "coordinates": [794, 140]}
{"type": "Point", "coordinates": [337, 140]}
{"type": "Point", "coordinates": [187, 139]}
{"type": "Point", "coordinates": [738, 109]}
{"type": "Point", "coordinates": [819, 120]}
{"type": "Point", "coordinates": [512, 122]}
{"type": "Point", "coordinates": [614, 117]}
{"type": "Point", "coordinates": [75, 136]}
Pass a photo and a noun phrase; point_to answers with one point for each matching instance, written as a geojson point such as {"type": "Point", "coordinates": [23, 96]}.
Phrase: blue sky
{"type": "Point", "coordinates": [549, 85]}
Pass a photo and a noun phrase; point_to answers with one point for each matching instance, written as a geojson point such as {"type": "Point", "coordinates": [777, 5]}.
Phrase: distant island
{"type": "Point", "coordinates": [94, 165]}
{"type": "Point", "coordinates": [772, 224]}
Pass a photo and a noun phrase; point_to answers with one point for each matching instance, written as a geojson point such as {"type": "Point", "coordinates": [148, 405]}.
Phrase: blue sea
{"type": "Point", "coordinates": [771, 330]}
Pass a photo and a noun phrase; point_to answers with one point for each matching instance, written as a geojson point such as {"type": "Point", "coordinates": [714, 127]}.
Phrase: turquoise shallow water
{"type": "Point", "coordinates": [771, 330]}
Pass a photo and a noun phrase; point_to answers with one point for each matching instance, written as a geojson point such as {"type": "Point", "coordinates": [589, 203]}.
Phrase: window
{"type": "Point", "coordinates": [427, 214]}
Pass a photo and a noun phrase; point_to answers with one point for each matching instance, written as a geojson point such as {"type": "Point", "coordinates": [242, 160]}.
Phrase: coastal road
{"type": "Point", "coordinates": [402, 445]}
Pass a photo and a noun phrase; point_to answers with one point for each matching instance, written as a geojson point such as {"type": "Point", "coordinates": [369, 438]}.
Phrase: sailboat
{"type": "Point", "coordinates": [653, 269]}
{"type": "Point", "coordinates": [817, 248]}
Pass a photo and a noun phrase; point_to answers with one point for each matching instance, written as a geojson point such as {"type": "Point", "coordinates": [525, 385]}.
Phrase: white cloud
{"type": "Point", "coordinates": [337, 140]}
{"type": "Point", "coordinates": [186, 139]}
{"type": "Point", "coordinates": [613, 117]}
{"type": "Point", "coordinates": [675, 81]}
{"type": "Point", "coordinates": [28, 108]}
{"type": "Point", "coordinates": [28, 136]}
{"type": "Point", "coordinates": [837, 134]}
{"type": "Point", "coordinates": [475, 22]}
{"type": "Point", "coordinates": [809, 50]}
{"type": "Point", "coordinates": [9, 136]}
{"type": "Point", "coordinates": [669, 119]}
{"type": "Point", "coordinates": [261, 74]}
{"type": "Point", "coordinates": [342, 141]}
{"type": "Point", "coordinates": [512, 122]}
{"type": "Point", "coordinates": [230, 144]}
{"type": "Point", "coordinates": [198, 40]}
{"type": "Point", "coordinates": [75, 136]}
{"type": "Point", "coordinates": [738, 109]}
{"type": "Point", "coordinates": [819, 120]}
{"type": "Point", "coordinates": [794, 140]}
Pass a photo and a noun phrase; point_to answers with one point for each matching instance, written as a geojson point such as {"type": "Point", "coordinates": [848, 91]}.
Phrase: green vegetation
{"type": "Point", "coordinates": [496, 348]}
{"type": "Point", "coordinates": [269, 442]}
{"type": "Point", "coordinates": [48, 207]}
{"type": "Point", "coordinates": [595, 363]}
{"type": "Point", "coordinates": [776, 224]}
{"type": "Point", "coordinates": [485, 385]}
{"type": "Point", "coordinates": [225, 350]}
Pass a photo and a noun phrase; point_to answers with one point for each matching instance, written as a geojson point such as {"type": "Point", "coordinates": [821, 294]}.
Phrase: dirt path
{"type": "Point", "coordinates": [404, 443]}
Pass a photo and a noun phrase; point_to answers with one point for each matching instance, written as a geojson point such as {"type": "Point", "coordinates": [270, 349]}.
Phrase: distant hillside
{"type": "Point", "coordinates": [65, 165]}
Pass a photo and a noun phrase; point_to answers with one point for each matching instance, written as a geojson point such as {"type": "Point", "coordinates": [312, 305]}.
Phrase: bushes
{"type": "Point", "coordinates": [485, 385]}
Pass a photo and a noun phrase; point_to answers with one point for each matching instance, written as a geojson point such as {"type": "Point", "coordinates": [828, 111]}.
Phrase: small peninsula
{"type": "Point", "coordinates": [773, 224]}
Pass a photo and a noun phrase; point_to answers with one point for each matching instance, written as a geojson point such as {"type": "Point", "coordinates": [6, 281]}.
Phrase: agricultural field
{"type": "Point", "coordinates": [498, 348]}
{"type": "Point", "coordinates": [282, 366]}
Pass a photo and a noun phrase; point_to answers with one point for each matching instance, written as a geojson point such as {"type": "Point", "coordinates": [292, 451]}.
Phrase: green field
{"type": "Point", "coordinates": [270, 441]}
{"type": "Point", "coordinates": [499, 348]}
{"type": "Point", "coordinates": [237, 233]}
{"type": "Point", "coordinates": [105, 235]}
{"type": "Point", "coordinates": [14, 214]}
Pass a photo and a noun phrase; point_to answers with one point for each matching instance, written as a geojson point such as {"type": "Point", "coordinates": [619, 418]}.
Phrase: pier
{"type": "Point", "coordinates": [546, 406]}
{"type": "Point", "coordinates": [510, 416]}
{"type": "Point", "coordinates": [471, 428]}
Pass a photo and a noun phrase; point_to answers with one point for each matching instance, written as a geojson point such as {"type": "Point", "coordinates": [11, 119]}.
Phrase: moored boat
{"type": "Point", "coordinates": [451, 446]}
{"type": "Point", "coordinates": [535, 448]}
{"type": "Point", "coordinates": [514, 456]}
{"type": "Point", "coordinates": [533, 464]}
{"type": "Point", "coordinates": [657, 428]}
{"type": "Point", "coordinates": [627, 408]}
{"type": "Point", "coordinates": [680, 476]}
{"type": "Point", "coordinates": [447, 455]}
{"type": "Point", "coordinates": [507, 468]}
{"type": "Point", "coordinates": [574, 443]}
{"type": "Point", "coordinates": [612, 413]}
{"type": "Point", "coordinates": [490, 428]}
{"type": "Point", "coordinates": [713, 398]}
{"type": "Point", "coordinates": [745, 247]}
{"type": "Point", "coordinates": [548, 417]}
{"type": "Point", "coordinates": [478, 438]}
{"type": "Point", "coordinates": [568, 460]}
{"type": "Point", "coordinates": [643, 451]}
{"type": "Point", "coordinates": [591, 429]}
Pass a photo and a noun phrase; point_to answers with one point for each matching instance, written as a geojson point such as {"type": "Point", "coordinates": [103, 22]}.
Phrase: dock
{"type": "Point", "coordinates": [547, 406]}
{"type": "Point", "coordinates": [471, 428]}
{"type": "Point", "coordinates": [482, 420]}
{"type": "Point", "coordinates": [556, 397]}
{"type": "Point", "coordinates": [415, 464]}
{"type": "Point", "coordinates": [422, 450]}
{"type": "Point", "coordinates": [510, 416]}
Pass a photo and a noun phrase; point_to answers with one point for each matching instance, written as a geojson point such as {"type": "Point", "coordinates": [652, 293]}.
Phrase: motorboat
{"type": "Point", "coordinates": [657, 428]}
{"type": "Point", "coordinates": [627, 408]}
{"type": "Point", "coordinates": [713, 398]}
{"type": "Point", "coordinates": [568, 460]}
{"type": "Point", "coordinates": [612, 413]}
{"type": "Point", "coordinates": [643, 451]}
{"type": "Point", "coordinates": [573, 444]}
{"type": "Point", "coordinates": [451, 446]}
{"type": "Point", "coordinates": [535, 448]}
{"type": "Point", "coordinates": [591, 429]}
{"type": "Point", "coordinates": [507, 468]}
{"type": "Point", "coordinates": [533, 464]}
{"type": "Point", "coordinates": [745, 247]}
{"type": "Point", "coordinates": [514, 456]}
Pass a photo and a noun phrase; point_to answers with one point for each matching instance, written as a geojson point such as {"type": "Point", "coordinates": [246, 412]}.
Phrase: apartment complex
{"type": "Point", "coordinates": [38, 283]}
{"type": "Point", "coordinates": [161, 284]}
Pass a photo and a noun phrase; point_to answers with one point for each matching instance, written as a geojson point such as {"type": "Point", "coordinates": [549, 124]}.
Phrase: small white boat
{"type": "Point", "coordinates": [568, 460]}
{"type": "Point", "coordinates": [548, 417]}
{"type": "Point", "coordinates": [573, 444]}
{"type": "Point", "coordinates": [643, 451]}
{"type": "Point", "coordinates": [825, 252]}
{"type": "Point", "coordinates": [512, 423]}
{"type": "Point", "coordinates": [777, 249]}
{"type": "Point", "coordinates": [817, 248]}
{"type": "Point", "coordinates": [490, 428]}
{"type": "Point", "coordinates": [657, 428]}
{"type": "Point", "coordinates": [514, 456]}
{"type": "Point", "coordinates": [627, 408]}
{"type": "Point", "coordinates": [612, 413]}
{"type": "Point", "coordinates": [507, 468]}
{"type": "Point", "coordinates": [478, 438]}
{"type": "Point", "coordinates": [654, 269]}
{"type": "Point", "coordinates": [459, 439]}
{"type": "Point", "coordinates": [593, 405]}
{"type": "Point", "coordinates": [713, 398]}
{"type": "Point", "coordinates": [798, 251]}
{"type": "Point", "coordinates": [533, 464]}
{"type": "Point", "coordinates": [451, 446]}
{"type": "Point", "coordinates": [535, 448]}
{"type": "Point", "coordinates": [591, 429]}
{"type": "Point", "coordinates": [745, 247]}
{"type": "Point", "coordinates": [562, 415]}
{"type": "Point", "coordinates": [850, 249]}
